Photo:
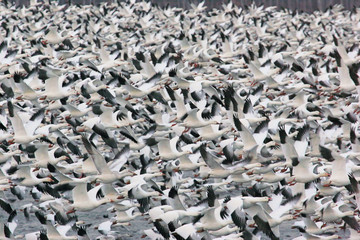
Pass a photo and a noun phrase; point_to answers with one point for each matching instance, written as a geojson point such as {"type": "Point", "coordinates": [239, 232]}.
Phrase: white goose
{"type": "Point", "coordinates": [78, 111]}
{"type": "Point", "coordinates": [140, 192]}
{"type": "Point", "coordinates": [4, 156]}
{"type": "Point", "coordinates": [345, 57]}
{"type": "Point", "coordinates": [212, 220]}
{"type": "Point", "coordinates": [304, 172]}
{"type": "Point", "coordinates": [27, 92]}
{"type": "Point", "coordinates": [187, 230]}
{"type": "Point", "coordinates": [26, 177]}
{"type": "Point", "coordinates": [331, 213]}
{"type": "Point", "coordinates": [125, 216]}
{"type": "Point", "coordinates": [86, 201]}
{"type": "Point", "coordinates": [53, 37]}
{"type": "Point", "coordinates": [24, 125]}
{"type": "Point", "coordinates": [168, 151]}
{"type": "Point", "coordinates": [54, 89]}
{"type": "Point", "coordinates": [259, 75]}
{"type": "Point", "coordinates": [211, 132]}
{"type": "Point", "coordinates": [175, 215]}
{"type": "Point", "coordinates": [134, 92]}
{"type": "Point", "coordinates": [225, 232]}
{"type": "Point", "coordinates": [187, 163]}
{"type": "Point", "coordinates": [195, 120]}
{"type": "Point", "coordinates": [108, 61]}
{"type": "Point", "coordinates": [58, 233]}
{"type": "Point", "coordinates": [218, 171]}
{"type": "Point", "coordinates": [339, 175]}
{"type": "Point", "coordinates": [346, 83]}
{"type": "Point", "coordinates": [43, 156]}
{"type": "Point", "coordinates": [106, 175]}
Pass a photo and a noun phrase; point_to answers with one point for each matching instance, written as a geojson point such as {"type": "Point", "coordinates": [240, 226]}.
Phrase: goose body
{"type": "Point", "coordinates": [85, 201]}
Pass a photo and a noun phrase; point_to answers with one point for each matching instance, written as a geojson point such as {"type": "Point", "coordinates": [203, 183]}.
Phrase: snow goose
{"type": "Point", "coordinates": [108, 62]}
{"type": "Point", "coordinates": [183, 81]}
{"type": "Point", "coordinates": [216, 170]}
{"type": "Point", "coordinates": [269, 223]}
{"type": "Point", "coordinates": [210, 132]}
{"type": "Point", "coordinates": [339, 176]}
{"type": "Point", "coordinates": [156, 211]}
{"type": "Point", "coordinates": [151, 234]}
{"type": "Point", "coordinates": [57, 233]}
{"type": "Point", "coordinates": [304, 172]}
{"type": "Point", "coordinates": [311, 205]}
{"type": "Point", "coordinates": [186, 163]}
{"type": "Point", "coordinates": [92, 86]}
{"type": "Point", "coordinates": [345, 56]}
{"type": "Point", "coordinates": [194, 119]}
{"type": "Point", "coordinates": [105, 228]}
{"type": "Point", "coordinates": [43, 156]}
{"type": "Point", "coordinates": [140, 192]}
{"type": "Point", "coordinates": [331, 213]}
{"type": "Point", "coordinates": [178, 100]}
{"type": "Point", "coordinates": [106, 175]}
{"type": "Point", "coordinates": [5, 156]}
{"type": "Point", "coordinates": [168, 151]}
{"type": "Point", "coordinates": [225, 232]}
{"type": "Point", "coordinates": [26, 92]}
{"type": "Point", "coordinates": [123, 206]}
{"type": "Point", "coordinates": [53, 36]}
{"type": "Point", "coordinates": [288, 148]}
{"type": "Point", "coordinates": [175, 215]}
{"type": "Point", "coordinates": [26, 177]}
{"type": "Point", "coordinates": [347, 83]}
{"type": "Point", "coordinates": [118, 118]}
{"type": "Point", "coordinates": [185, 231]}
{"type": "Point", "coordinates": [243, 179]}
{"type": "Point", "coordinates": [78, 111]}
{"type": "Point", "coordinates": [141, 91]}
{"type": "Point", "coordinates": [24, 125]}
{"type": "Point", "coordinates": [246, 136]}
{"type": "Point", "coordinates": [312, 228]}
{"type": "Point", "coordinates": [46, 129]}
{"type": "Point", "coordinates": [259, 75]}
{"type": "Point", "coordinates": [86, 201]}
{"type": "Point", "coordinates": [212, 220]}
{"type": "Point", "coordinates": [125, 216]}
{"type": "Point", "coordinates": [54, 89]}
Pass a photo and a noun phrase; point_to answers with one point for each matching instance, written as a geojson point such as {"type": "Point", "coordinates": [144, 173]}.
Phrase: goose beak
{"type": "Point", "coordinates": [70, 211]}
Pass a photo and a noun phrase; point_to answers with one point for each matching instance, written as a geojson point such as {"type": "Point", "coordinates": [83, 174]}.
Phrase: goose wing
{"type": "Point", "coordinates": [96, 156]}
{"type": "Point", "coordinates": [16, 121]}
{"type": "Point", "coordinates": [80, 194]}
{"type": "Point", "coordinates": [209, 159]}
{"type": "Point", "coordinates": [120, 159]}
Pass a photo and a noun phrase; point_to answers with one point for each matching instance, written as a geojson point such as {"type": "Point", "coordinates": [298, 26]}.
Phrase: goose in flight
{"type": "Point", "coordinates": [84, 200]}
{"type": "Point", "coordinates": [24, 125]}
{"type": "Point", "coordinates": [106, 175]}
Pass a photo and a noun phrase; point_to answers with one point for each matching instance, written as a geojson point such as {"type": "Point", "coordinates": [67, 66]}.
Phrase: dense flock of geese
{"type": "Point", "coordinates": [210, 124]}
